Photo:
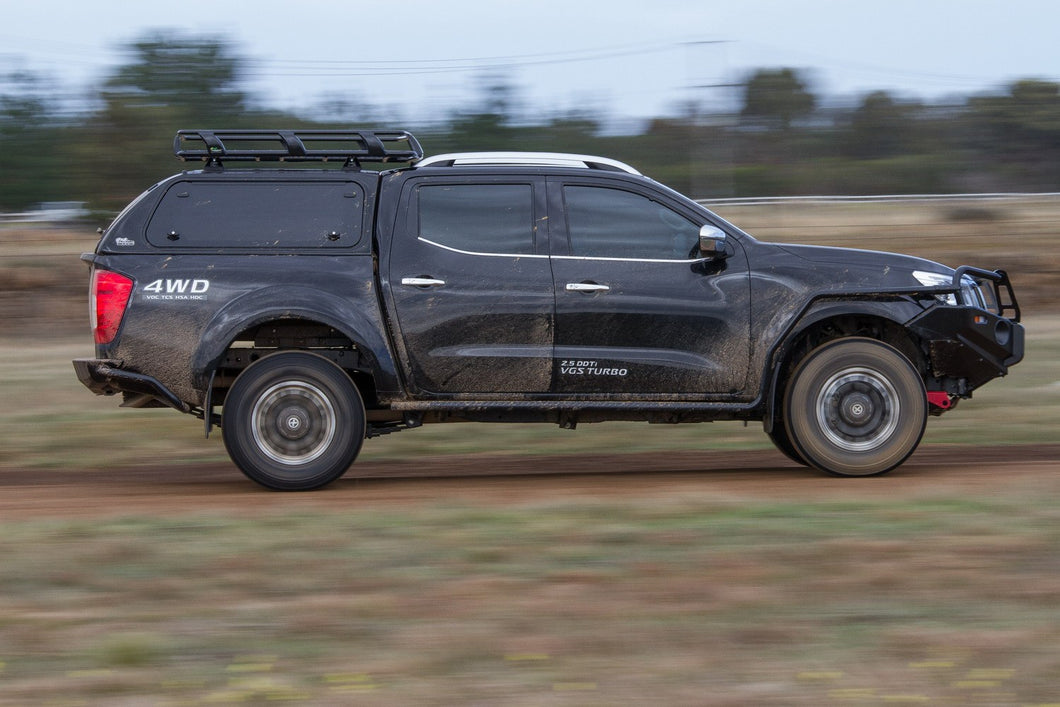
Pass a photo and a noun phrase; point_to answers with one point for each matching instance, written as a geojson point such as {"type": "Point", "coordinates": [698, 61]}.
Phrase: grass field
{"type": "Point", "coordinates": [659, 600]}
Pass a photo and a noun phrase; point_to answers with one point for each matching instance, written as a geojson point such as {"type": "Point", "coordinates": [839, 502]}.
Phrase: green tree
{"type": "Point", "coordinates": [1020, 132]}
{"type": "Point", "coordinates": [33, 164]}
{"type": "Point", "coordinates": [488, 126]}
{"type": "Point", "coordinates": [775, 98]}
{"type": "Point", "coordinates": [769, 145]}
{"type": "Point", "coordinates": [170, 82]}
{"type": "Point", "coordinates": [881, 127]}
{"type": "Point", "coordinates": [197, 75]}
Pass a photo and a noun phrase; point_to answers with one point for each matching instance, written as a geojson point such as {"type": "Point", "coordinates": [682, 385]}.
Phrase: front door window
{"type": "Point", "coordinates": [612, 223]}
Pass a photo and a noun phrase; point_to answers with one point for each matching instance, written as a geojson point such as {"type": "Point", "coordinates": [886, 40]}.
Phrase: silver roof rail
{"type": "Point", "coordinates": [526, 159]}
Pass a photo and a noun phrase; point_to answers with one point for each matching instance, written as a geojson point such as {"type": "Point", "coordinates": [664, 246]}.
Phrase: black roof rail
{"type": "Point", "coordinates": [353, 146]}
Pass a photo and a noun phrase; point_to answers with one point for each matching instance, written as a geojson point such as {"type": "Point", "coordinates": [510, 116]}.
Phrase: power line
{"type": "Point", "coordinates": [412, 67]}
{"type": "Point", "coordinates": [828, 62]}
{"type": "Point", "coordinates": [575, 54]}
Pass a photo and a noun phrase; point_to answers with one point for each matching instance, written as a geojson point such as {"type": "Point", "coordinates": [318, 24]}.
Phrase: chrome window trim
{"type": "Point", "coordinates": [451, 249]}
{"type": "Point", "coordinates": [471, 252]}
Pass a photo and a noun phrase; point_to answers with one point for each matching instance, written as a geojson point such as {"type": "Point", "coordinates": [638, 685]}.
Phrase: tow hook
{"type": "Point", "coordinates": [939, 400]}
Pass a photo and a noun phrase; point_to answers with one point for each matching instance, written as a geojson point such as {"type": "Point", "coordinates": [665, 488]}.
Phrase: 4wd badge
{"type": "Point", "coordinates": [176, 289]}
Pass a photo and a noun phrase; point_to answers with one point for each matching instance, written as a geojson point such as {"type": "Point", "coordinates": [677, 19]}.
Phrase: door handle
{"type": "Point", "coordinates": [422, 281]}
{"type": "Point", "coordinates": [586, 287]}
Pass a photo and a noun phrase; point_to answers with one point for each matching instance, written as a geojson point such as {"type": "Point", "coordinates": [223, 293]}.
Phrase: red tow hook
{"type": "Point", "coordinates": [940, 399]}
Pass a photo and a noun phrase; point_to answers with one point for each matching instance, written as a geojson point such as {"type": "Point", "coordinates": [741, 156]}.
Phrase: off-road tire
{"type": "Point", "coordinates": [293, 421]}
{"type": "Point", "coordinates": [855, 407]}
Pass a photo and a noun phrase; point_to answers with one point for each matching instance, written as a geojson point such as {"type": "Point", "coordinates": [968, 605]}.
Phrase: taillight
{"type": "Point", "coordinates": [109, 293]}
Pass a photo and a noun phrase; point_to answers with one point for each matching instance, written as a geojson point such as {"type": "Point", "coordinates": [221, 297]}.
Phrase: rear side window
{"type": "Point", "coordinates": [478, 218]}
{"type": "Point", "coordinates": [258, 215]}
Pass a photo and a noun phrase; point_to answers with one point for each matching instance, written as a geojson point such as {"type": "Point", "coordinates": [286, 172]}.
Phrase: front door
{"type": "Point", "coordinates": [638, 311]}
{"type": "Point", "coordinates": [471, 286]}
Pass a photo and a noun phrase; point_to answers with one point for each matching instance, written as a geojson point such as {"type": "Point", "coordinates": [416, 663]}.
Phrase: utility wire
{"type": "Point", "coordinates": [272, 67]}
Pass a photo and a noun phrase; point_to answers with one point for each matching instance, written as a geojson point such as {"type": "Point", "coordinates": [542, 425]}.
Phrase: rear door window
{"type": "Point", "coordinates": [478, 218]}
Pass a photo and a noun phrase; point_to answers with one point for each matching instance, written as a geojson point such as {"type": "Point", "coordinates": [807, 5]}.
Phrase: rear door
{"type": "Point", "coordinates": [638, 311]}
{"type": "Point", "coordinates": [471, 286]}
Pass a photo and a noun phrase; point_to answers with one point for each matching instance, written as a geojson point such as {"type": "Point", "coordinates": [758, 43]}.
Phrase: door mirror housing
{"type": "Point", "coordinates": [711, 242]}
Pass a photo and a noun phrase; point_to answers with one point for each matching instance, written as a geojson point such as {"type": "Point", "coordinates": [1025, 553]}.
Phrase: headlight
{"type": "Point", "coordinates": [932, 279]}
{"type": "Point", "coordinates": [970, 293]}
{"type": "Point", "coordinates": [936, 279]}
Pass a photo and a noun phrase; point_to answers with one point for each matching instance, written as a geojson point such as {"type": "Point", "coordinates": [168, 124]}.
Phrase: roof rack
{"type": "Point", "coordinates": [353, 146]}
{"type": "Point", "coordinates": [526, 159]}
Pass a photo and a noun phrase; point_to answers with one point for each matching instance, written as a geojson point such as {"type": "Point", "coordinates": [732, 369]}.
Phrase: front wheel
{"type": "Point", "coordinates": [855, 407]}
{"type": "Point", "coordinates": [293, 421]}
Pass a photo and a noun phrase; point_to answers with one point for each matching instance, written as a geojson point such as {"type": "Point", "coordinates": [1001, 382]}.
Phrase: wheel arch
{"type": "Point", "coordinates": [872, 319]}
{"type": "Point", "coordinates": [358, 323]}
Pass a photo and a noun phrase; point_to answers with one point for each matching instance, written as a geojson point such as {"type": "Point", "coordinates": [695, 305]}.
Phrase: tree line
{"type": "Point", "coordinates": [783, 139]}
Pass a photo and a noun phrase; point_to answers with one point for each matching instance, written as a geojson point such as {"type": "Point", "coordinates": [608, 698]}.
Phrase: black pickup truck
{"type": "Point", "coordinates": [306, 307]}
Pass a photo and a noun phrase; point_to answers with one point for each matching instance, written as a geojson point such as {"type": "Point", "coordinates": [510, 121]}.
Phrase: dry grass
{"type": "Point", "coordinates": [671, 602]}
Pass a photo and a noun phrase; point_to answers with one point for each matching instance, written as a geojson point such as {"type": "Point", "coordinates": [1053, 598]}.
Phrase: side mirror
{"type": "Point", "coordinates": [711, 242]}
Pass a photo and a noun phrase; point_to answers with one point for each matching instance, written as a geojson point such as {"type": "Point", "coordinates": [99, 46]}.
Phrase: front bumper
{"type": "Point", "coordinates": [106, 377]}
{"type": "Point", "coordinates": [968, 346]}
{"type": "Point", "coordinates": [974, 334]}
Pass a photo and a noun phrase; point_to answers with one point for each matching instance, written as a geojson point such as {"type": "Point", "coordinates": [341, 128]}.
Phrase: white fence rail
{"type": "Point", "coordinates": [756, 200]}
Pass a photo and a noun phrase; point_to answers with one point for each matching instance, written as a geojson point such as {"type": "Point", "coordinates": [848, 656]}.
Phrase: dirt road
{"type": "Point", "coordinates": [499, 481]}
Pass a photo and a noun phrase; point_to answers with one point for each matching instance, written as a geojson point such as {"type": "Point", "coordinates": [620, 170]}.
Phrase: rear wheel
{"type": "Point", "coordinates": [855, 407]}
{"type": "Point", "coordinates": [293, 421]}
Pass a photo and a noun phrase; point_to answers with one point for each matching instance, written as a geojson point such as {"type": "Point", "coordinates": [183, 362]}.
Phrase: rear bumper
{"type": "Point", "coordinates": [106, 377]}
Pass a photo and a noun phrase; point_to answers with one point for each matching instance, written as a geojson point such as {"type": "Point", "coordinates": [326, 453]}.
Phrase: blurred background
{"type": "Point", "coordinates": [139, 567]}
{"type": "Point", "coordinates": [763, 99]}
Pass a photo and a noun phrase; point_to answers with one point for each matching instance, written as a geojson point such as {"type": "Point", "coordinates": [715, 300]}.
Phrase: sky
{"type": "Point", "coordinates": [417, 60]}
